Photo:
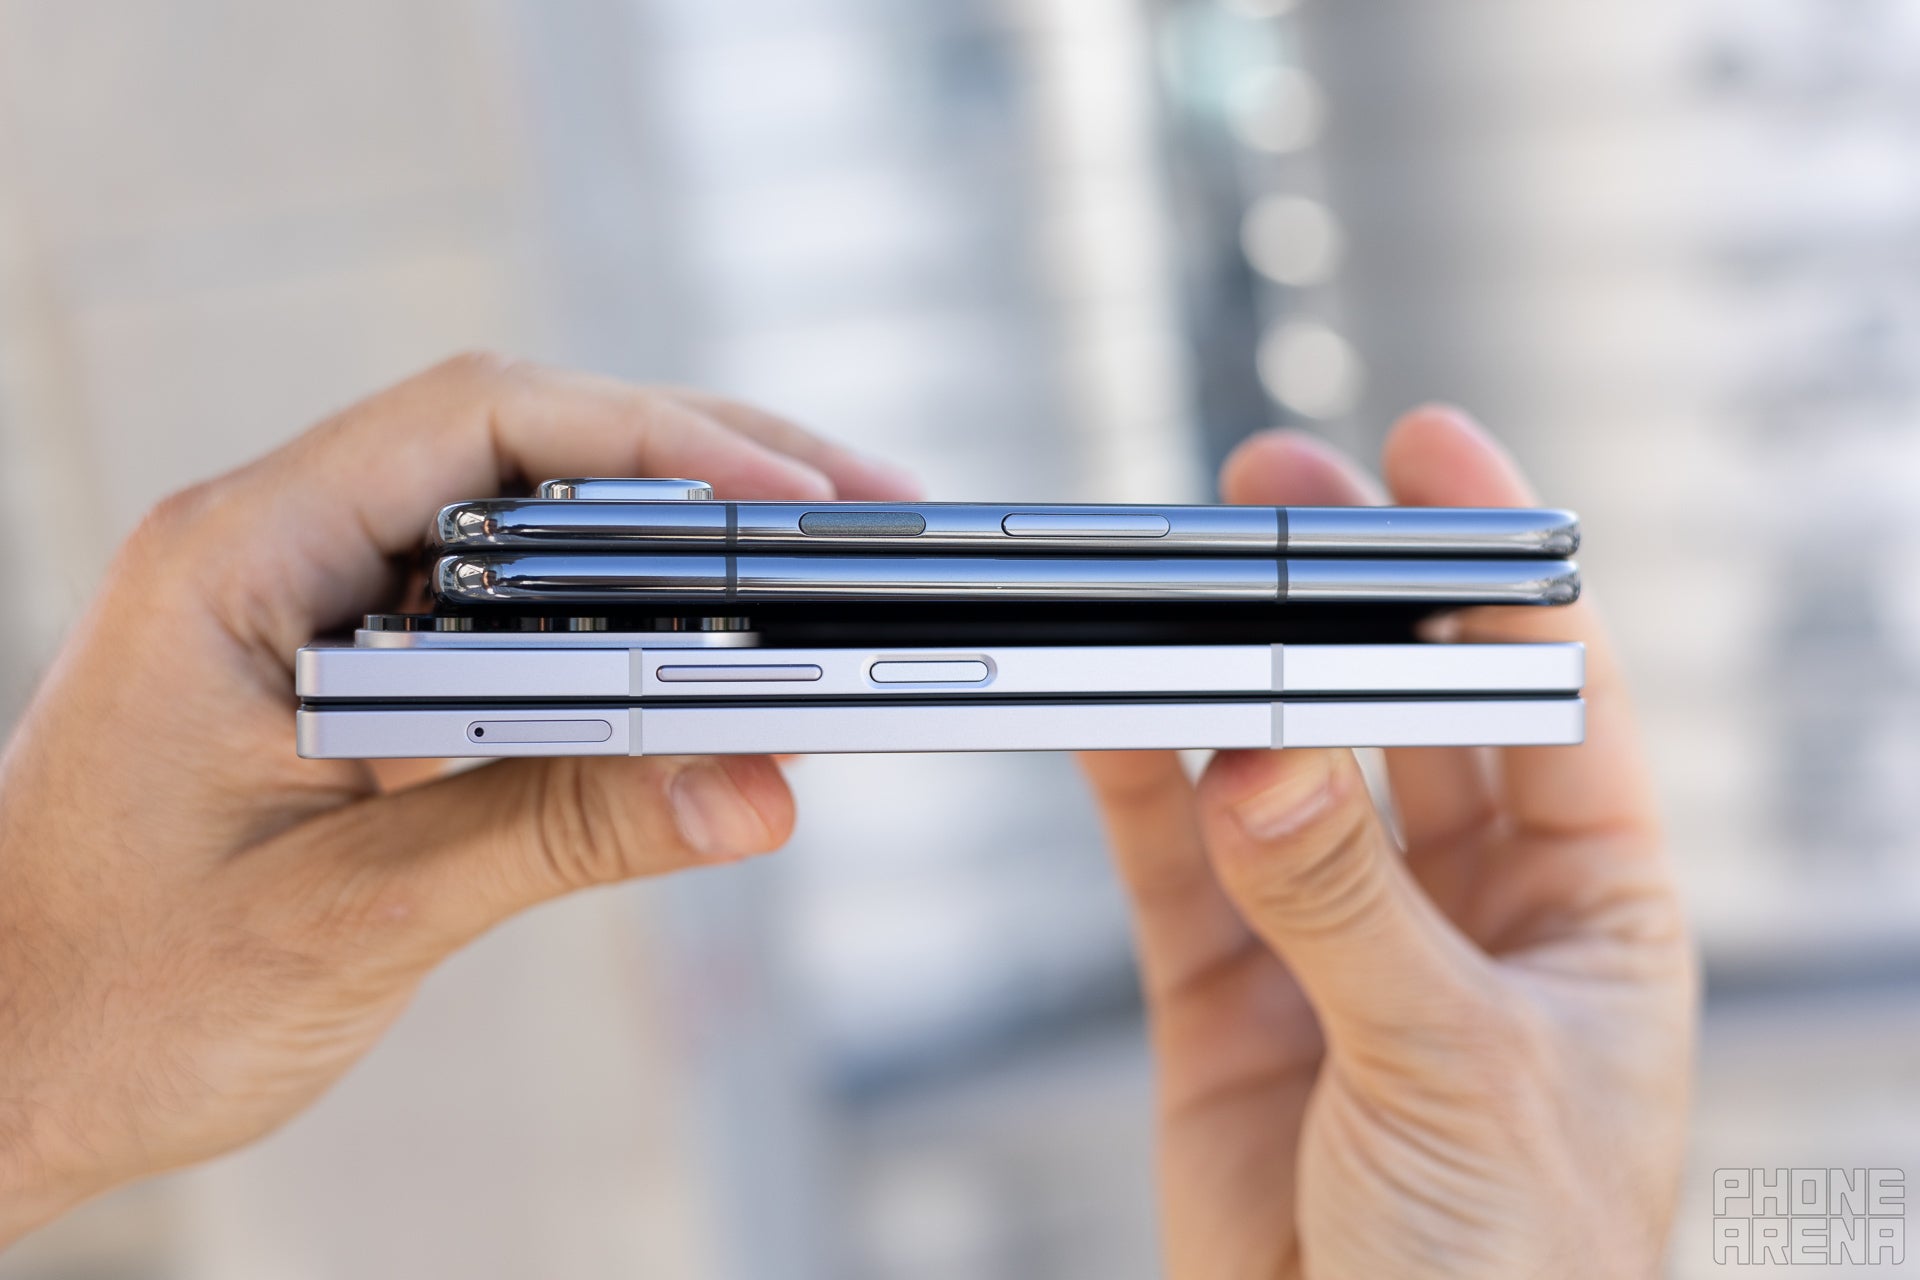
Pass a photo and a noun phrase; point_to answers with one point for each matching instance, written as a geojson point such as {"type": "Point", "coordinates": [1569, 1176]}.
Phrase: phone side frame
{"type": "Point", "coordinates": [343, 673]}
{"type": "Point", "coordinates": [830, 728]}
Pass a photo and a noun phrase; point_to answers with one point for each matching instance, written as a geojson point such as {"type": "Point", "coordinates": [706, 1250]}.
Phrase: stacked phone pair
{"type": "Point", "coordinates": [643, 617]}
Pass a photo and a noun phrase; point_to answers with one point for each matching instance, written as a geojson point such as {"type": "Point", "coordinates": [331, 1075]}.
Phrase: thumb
{"type": "Point", "coordinates": [1298, 846]}
{"type": "Point", "coordinates": [446, 861]}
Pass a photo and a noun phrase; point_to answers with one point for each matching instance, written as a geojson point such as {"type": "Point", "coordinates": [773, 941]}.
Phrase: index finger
{"type": "Point", "coordinates": [1438, 792]}
{"type": "Point", "coordinates": [1438, 457]}
{"type": "Point", "coordinates": [1184, 924]}
{"type": "Point", "coordinates": [309, 534]}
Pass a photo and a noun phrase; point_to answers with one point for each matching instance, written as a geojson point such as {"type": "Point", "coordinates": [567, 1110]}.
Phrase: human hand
{"type": "Point", "coordinates": [199, 931]}
{"type": "Point", "coordinates": [1472, 1058]}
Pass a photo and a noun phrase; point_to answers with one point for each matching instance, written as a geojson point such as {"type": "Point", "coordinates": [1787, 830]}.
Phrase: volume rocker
{"type": "Point", "coordinates": [737, 673]}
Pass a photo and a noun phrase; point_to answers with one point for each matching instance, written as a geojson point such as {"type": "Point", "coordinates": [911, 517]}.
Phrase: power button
{"type": "Point", "coordinates": [954, 671]}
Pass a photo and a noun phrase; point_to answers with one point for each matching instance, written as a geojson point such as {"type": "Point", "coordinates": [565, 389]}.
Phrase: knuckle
{"type": "Point", "coordinates": [586, 831]}
{"type": "Point", "coordinates": [481, 366]}
{"type": "Point", "coordinates": [161, 548]}
{"type": "Point", "coordinates": [491, 382]}
{"type": "Point", "coordinates": [1327, 881]}
{"type": "Point", "coordinates": [175, 516]}
{"type": "Point", "coordinates": [1130, 788]}
{"type": "Point", "coordinates": [486, 376]}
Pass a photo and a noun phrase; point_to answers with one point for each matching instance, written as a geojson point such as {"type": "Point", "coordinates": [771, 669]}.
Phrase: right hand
{"type": "Point", "coordinates": [1467, 1054]}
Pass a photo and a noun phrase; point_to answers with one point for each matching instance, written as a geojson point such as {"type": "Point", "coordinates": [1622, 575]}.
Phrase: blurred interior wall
{"type": "Point", "coordinates": [1663, 248]}
{"type": "Point", "coordinates": [1666, 251]}
{"type": "Point", "coordinates": [218, 222]}
{"type": "Point", "coordinates": [933, 229]}
{"type": "Point", "coordinates": [1659, 248]}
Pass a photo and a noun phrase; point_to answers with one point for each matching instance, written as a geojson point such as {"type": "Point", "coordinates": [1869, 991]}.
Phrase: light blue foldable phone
{"type": "Point", "coordinates": [650, 515]}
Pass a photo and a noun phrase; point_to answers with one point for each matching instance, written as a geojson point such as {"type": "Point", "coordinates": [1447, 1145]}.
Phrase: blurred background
{"type": "Point", "coordinates": [1066, 249]}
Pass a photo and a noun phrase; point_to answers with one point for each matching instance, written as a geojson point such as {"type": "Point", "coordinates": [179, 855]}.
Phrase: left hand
{"type": "Point", "coordinates": [199, 931]}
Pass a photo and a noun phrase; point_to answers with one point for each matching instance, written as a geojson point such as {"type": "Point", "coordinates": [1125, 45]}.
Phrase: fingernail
{"type": "Point", "coordinates": [1301, 793]}
{"type": "Point", "coordinates": [710, 811]}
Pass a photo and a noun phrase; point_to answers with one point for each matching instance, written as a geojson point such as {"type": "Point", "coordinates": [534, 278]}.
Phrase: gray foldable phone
{"type": "Point", "coordinates": [595, 694]}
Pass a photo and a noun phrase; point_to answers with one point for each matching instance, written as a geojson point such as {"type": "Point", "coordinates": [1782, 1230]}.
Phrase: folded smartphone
{"type": "Point", "coordinates": [455, 693]}
{"type": "Point", "coordinates": [603, 515]}
{"type": "Point", "coordinates": [629, 617]}
{"type": "Point", "coordinates": [607, 667]}
{"type": "Point", "coordinates": [544, 578]}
